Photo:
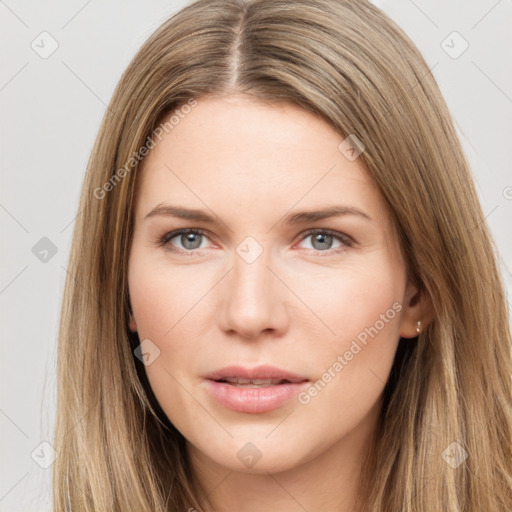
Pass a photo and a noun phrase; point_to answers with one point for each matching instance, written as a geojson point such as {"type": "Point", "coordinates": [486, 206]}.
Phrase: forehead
{"type": "Point", "coordinates": [237, 154]}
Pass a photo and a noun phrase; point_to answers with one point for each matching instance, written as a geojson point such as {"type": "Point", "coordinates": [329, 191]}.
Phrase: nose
{"type": "Point", "coordinates": [253, 299]}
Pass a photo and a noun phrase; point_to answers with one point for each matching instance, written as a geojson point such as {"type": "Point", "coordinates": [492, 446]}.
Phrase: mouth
{"type": "Point", "coordinates": [254, 383]}
{"type": "Point", "coordinates": [257, 390]}
{"type": "Point", "coordinates": [259, 376]}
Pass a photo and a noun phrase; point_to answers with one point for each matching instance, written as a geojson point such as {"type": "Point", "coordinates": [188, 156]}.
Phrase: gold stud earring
{"type": "Point", "coordinates": [418, 327]}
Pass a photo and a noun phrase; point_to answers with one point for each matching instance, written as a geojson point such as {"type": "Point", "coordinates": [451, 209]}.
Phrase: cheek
{"type": "Point", "coordinates": [161, 296]}
{"type": "Point", "coordinates": [173, 308]}
{"type": "Point", "coordinates": [351, 300]}
{"type": "Point", "coordinates": [351, 361]}
{"type": "Point", "coordinates": [165, 303]}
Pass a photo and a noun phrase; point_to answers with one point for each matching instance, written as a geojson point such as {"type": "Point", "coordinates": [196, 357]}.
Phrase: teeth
{"type": "Point", "coordinates": [258, 382]}
{"type": "Point", "coordinates": [252, 383]}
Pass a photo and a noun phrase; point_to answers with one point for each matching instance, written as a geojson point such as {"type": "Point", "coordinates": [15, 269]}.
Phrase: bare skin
{"type": "Point", "coordinates": [298, 306]}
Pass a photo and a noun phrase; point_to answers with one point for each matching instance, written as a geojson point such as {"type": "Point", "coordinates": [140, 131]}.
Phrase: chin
{"type": "Point", "coordinates": [259, 456]}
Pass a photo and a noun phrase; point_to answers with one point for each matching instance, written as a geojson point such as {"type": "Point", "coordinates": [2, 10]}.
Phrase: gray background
{"type": "Point", "coordinates": [51, 110]}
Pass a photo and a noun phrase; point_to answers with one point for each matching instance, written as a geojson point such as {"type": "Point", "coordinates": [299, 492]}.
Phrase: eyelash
{"type": "Point", "coordinates": [341, 237]}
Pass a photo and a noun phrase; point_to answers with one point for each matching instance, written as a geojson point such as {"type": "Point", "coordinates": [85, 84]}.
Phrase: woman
{"type": "Point", "coordinates": [283, 289]}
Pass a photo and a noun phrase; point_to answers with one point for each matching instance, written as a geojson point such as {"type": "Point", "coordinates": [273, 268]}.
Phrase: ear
{"type": "Point", "coordinates": [132, 324]}
{"type": "Point", "coordinates": [417, 307]}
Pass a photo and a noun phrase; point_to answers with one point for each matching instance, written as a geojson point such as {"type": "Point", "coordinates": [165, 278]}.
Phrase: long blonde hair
{"type": "Point", "coordinates": [444, 440]}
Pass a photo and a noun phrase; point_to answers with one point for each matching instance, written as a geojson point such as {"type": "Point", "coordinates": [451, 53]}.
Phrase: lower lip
{"type": "Point", "coordinates": [254, 400]}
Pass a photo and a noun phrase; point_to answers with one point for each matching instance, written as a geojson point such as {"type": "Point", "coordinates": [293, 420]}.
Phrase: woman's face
{"type": "Point", "coordinates": [307, 307]}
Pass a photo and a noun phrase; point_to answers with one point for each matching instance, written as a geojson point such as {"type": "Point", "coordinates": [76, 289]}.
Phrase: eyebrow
{"type": "Point", "coordinates": [301, 217]}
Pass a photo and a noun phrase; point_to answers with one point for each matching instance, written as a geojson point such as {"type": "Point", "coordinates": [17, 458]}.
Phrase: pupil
{"type": "Point", "coordinates": [190, 240]}
{"type": "Point", "coordinates": [324, 239]}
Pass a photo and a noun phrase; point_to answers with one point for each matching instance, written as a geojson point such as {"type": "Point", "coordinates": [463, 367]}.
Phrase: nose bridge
{"type": "Point", "coordinates": [254, 300]}
{"type": "Point", "coordinates": [251, 277]}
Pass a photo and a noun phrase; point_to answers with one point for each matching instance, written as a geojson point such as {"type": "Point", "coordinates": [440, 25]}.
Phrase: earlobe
{"type": "Point", "coordinates": [132, 324]}
{"type": "Point", "coordinates": [417, 313]}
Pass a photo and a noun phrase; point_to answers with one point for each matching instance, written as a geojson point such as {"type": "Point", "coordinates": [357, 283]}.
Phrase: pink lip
{"type": "Point", "coordinates": [254, 400]}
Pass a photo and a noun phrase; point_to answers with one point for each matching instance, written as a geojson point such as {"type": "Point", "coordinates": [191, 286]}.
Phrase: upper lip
{"type": "Point", "coordinates": [258, 372]}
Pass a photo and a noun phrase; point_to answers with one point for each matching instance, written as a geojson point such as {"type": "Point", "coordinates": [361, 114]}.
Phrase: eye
{"type": "Point", "coordinates": [322, 240]}
{"type": "Point", "coordinates": [189, 240]}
